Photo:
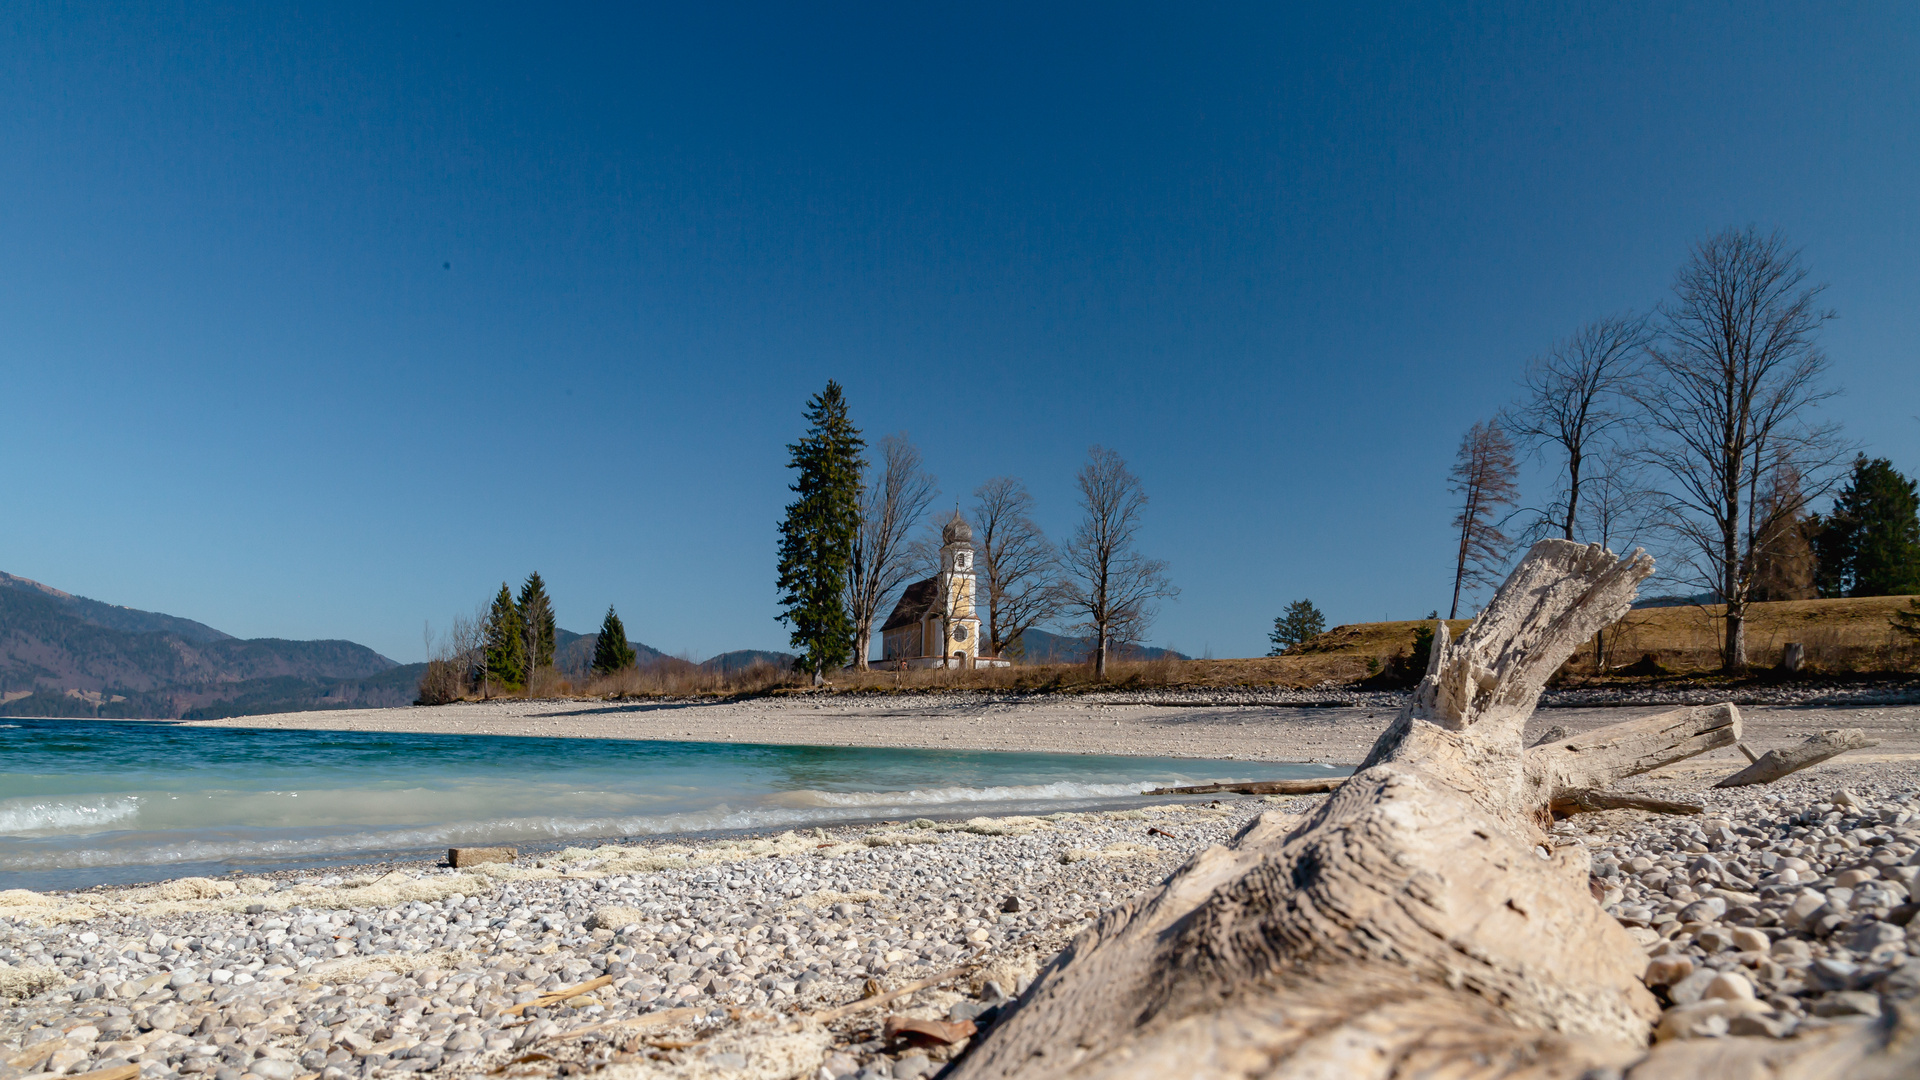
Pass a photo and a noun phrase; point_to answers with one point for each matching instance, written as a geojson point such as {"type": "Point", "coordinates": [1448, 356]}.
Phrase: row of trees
{"type": "Point", "coordinates": [852, 538]}
{"type": "Point", "coordinates": [507, 642]}
{"type": "Point", "coordinates": [1694, 429]}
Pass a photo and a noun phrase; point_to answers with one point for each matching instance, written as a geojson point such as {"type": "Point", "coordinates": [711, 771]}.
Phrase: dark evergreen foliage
{"type": "Point", "coordinates": [611, 652]}
{"type": "Point", "coordinates": [1869, 545]}
{"type": "Point", "coordinates": [505, 643]}
{"type": "Point", "coordinates": [816, 538]}
{"type": "Point", "coordinates": [1301, 622]}
{"type": "Point", "coordinates": [536, 621]}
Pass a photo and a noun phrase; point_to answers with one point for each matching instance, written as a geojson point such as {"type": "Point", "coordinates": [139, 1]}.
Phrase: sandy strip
{"type": "Point", "coordinates": [1072, 724]}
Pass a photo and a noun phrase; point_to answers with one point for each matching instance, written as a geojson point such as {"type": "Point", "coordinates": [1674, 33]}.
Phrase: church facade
{"type": "Point", "coordinates": [937, 621]}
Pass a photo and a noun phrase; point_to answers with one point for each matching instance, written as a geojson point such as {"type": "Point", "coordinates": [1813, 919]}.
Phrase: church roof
{"type": "Point", "coordinates": [913, 604]}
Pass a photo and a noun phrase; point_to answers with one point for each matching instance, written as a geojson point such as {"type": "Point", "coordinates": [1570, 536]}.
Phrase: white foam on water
{"type": "Point", "coordinates": [802, 808]}
{"type": "Point", "coordinates": [27, 817]}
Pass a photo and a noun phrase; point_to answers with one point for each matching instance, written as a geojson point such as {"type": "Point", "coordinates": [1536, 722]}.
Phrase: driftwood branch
{"type": "Point", "coordinates": [1569, 803]}
{"type": "Point", "coordinates": [1416, 923]}
{"type": "Point", "coordinates": [1603, 756]}
{"type": "Point", "coordinates": [1258, 787]}
{"type": "Point", "coordinates": [1775, 764]}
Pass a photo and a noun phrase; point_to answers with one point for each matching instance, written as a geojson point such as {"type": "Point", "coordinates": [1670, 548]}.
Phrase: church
{"type": "Point", "coordinates": [936, 622]}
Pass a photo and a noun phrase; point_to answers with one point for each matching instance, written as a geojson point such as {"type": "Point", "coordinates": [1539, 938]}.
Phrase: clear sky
{"type": "Point", "coordinates": [323, 322]}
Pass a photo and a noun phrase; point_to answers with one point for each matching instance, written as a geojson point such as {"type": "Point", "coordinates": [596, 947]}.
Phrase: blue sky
{"type": "Point", "coordinates": [322, 322]}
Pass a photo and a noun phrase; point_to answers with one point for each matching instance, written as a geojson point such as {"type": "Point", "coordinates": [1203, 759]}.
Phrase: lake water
{"type": "Point", "coordinates": [87, 802]}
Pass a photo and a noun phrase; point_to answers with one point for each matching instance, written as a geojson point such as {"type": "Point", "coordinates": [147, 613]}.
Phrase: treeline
{"type": "Point", "coordinates": [1693, 430]}
{"type": "Point", "coordinates": [507, 647]}
{"type": "Point", "coordinates": [854, 537]}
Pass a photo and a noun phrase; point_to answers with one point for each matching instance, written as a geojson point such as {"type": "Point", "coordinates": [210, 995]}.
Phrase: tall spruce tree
{"type": "Point", "coordinates": [536, 618]}
{"type": "Point", "coordinates": [1869, 545]}
{"type": "Point", "coordinates": [505, 643]}
{"type": "Point", "coordinates": [611, 652]}
{"type": "Point", "coordinates": [816, 538]}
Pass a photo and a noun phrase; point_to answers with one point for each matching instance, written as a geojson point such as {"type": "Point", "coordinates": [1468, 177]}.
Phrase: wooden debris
{"type": "Point", "coordinates": [118, 1072]}
{"type": "Point", "coordinates": [1257, 787]}
{"type": "Point", "coordinates": [1568, 803]}
{"type": "Point", "coordinates": [1606, 755]}
{"type": "Point", "coordinates": [1419, 923]}
{"type": "Point", "coordinates": [560, 995]}
{"type": "Point", "coordinates": [877, 1000]}
{"type": "Point", "coordinates": [458, 857]}
{"type": "Point", "coordinates": [1775, 764]}
{"type": "Point", "coordinates": [928, 1032]}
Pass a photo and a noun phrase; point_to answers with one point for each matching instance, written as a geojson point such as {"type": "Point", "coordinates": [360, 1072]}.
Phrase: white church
{"type": "Point", "coordinates": [936, 623]}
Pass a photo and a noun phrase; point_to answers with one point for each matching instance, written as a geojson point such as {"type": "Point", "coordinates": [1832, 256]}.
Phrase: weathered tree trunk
{"type": "Point", "coordinates": [1417, 923]}
{"type": "Point", "coordinates": [1775, 764]}
{"type": "Point", "coordinates": [862, 644]}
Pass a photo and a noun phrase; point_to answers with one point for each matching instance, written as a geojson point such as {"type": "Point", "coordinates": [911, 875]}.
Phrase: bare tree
{"type": "Point", "coordinates": [1614, 514]}
{"type": "Point", "coordinates": [1021, 566]}
{"type": "Point", "coordinates": [1572, 404]}
{"type": "Point", "coordinates": [892, 502]}
{"type": "Point", "coordinates": [1737, 370]}
{"type": "Point", "coordinates": [1484, 478]}
{"type": "Point", "coordinates": [1108, 585]}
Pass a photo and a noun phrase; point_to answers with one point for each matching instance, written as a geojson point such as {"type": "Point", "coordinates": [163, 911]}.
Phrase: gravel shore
{"type": "Point", "coordinates": [1782, 908]}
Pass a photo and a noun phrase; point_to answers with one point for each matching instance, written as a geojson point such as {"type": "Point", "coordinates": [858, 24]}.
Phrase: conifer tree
{"type": "Point", "coordinates": [536, 619]}
{"type": "Point", "coordinates": [1870, 544]}
{"type": "Point", "coordinates": [1301, 622]}
{"type": "Point", "coordinates": [611, 652]}
{"type": "Point", "coordinates": [816, 539]}
{"type": "Point", "coordinates": [505, 642]}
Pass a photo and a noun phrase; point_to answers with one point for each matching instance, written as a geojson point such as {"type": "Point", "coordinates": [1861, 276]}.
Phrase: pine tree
{"type": "Point", "coordinates": [611, 652]}
{"type": "Point", "coordinates": [505, 642]}
{"type": "Point", "coordinates": [536, 622]}
{"type": "Point", "coordinates": [1869, 545]}
{"type": "Point", "coordinates": [1301, 622]}
{"type": "Point", "coordinates": [816, 539]}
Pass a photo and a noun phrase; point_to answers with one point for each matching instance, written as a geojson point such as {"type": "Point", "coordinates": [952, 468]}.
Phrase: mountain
{"type": "Point", "coordinates": [573, 653]}
{"type": "Point", "coordinates": [741, 659]}
{"type": "Point", "coordinates": [1042, 647]}
{"type": "Point", "coordinates": [66, 655]}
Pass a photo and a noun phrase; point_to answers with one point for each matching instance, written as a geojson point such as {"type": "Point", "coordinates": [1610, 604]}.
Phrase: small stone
{"type": "Point", "coordinates": [1011, 905]}
{"type": "Point", "coordinates": [1714, 939]}
{"type": "Point", "coordinates": [271, 1069]}
{"type": "Point", "coordinates": [1791, 950]}
{"type": "Point", "coordinates": [1667, 970]}
{"type": "Point", "coordinates": [1729, 986]}
{"type": "Point", "coordinates": [1876, 936]}
{"type": "Point", "coordinates": [1767, 1025]}
{"type": "Point", "coordinates": [1690, 989]}
{"type": "Point", "coordinates": [1847, 879]}
{"type": "Point", "coordinates": [1802, 907]}
{"type": "Point", "coordinates": [1847, 1003]}
{"type": "Point", "coordinates": [1834, 974]}
{"type": "Point", "coordinates": [1747, 939]}
{"type": "Point", "coordinates": [912, 1067]}
{"type": "Point", "coordinates": [839, 1064]}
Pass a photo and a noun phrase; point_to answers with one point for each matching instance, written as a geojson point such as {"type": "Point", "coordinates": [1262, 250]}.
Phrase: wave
{"type": "Point", "coordinates": [807, 808]}
{"type": "Point", "coordinates": [19, 817]}
{"type": "Point", "coordinates": [1063, 789]}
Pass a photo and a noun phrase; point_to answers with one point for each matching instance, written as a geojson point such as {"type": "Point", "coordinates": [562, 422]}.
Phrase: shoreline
{"type": "Point", "coordinates": [1783, 910]}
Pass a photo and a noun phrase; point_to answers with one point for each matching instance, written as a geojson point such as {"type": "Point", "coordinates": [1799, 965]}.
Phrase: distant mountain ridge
{"type": "Point", "coordinates": [66, 655]}
{"type": "Point", "coordinates": [1044, 647]}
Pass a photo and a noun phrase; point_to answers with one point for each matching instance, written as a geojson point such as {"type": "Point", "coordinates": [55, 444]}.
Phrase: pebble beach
{"type": "Point", "coordinates": [1780, 909]}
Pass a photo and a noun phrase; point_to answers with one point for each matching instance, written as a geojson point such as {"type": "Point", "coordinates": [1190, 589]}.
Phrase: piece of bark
{"type": "Point", "coordinates": [928, 1032]}
{"type": "Point", "coordinates": [1417, 923]}
{"type": "Point", "coordinates": [1594, 759]}
{"type": "Point", "coordinates": [1568, 803]}
{"type": "Point", "coordinates": [476, 856]}
{"type": "Point", "coordinates": [1777, 763]}
{"type": "Point", "coordinates": [1258, 787]}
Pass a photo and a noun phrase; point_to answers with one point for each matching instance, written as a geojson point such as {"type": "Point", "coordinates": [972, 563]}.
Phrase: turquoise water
{"type": "Point", "coordinates": [86, 802]}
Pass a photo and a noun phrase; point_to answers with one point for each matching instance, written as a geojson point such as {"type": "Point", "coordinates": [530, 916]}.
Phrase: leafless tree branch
{"type": "Point", "coordinates": [893, 501]}
{"type": "Point", "coordinates": [1109, 586]}
{"type": "Point", "coordinates": [1022, 568]}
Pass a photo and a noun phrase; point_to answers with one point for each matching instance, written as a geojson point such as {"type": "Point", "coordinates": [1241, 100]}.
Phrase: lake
{"type": "Point", "coordinates": [86, 802]}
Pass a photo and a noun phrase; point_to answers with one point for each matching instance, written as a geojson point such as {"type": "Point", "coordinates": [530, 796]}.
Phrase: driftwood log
{"type": "Point", "coordinates": [1775, 764]}
{"type": "Point", "coordinates": [1317, 785]}
{"type": "Point", "coordinates": [1418, 923]}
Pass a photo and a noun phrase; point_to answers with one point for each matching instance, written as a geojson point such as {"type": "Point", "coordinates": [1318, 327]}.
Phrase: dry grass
{"type": "Point", "coordinates": [1840, 636]}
